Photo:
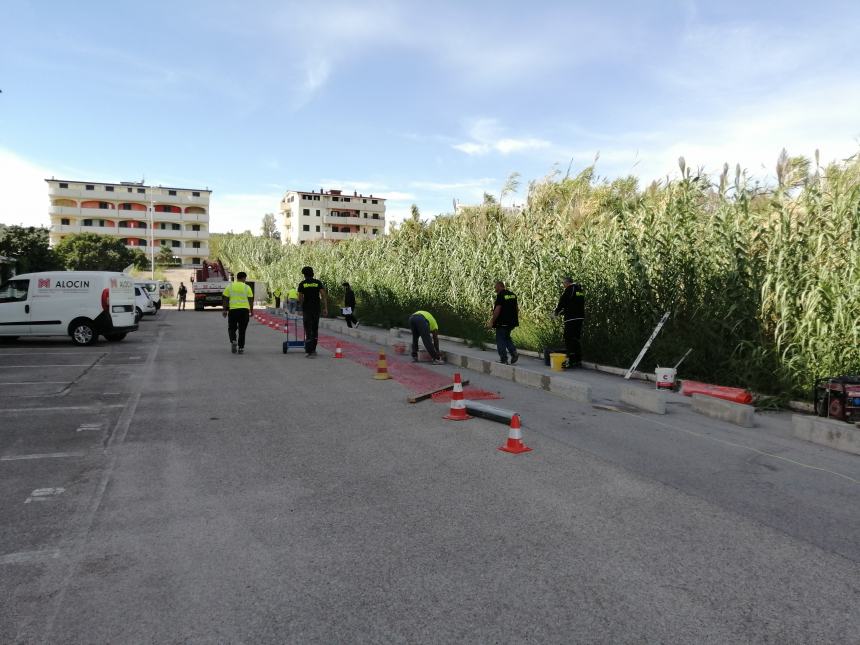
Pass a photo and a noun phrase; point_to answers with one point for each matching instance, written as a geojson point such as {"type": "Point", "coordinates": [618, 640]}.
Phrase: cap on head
{"type": "Point", "coordinates": [308, 272]}
{"type": "Point", "coordinates": [241, 275]}
{"type": "Point", "coordinates": [567, 279]}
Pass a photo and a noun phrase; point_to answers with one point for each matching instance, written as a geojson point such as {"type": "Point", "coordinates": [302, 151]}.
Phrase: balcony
{"type": "Point", "coordinates": [120, 193]}
{"type": "Point", "coordinates": [328, 235]}
{"type": "Point", "coordinates": [102, 213]}
{"type": "Point", "coordinates": [344, 221]}
{"type": "Point", "coordinates": [66, 229]}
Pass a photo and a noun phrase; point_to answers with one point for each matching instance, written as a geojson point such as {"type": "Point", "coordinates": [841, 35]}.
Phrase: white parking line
{"type": "Point", "coordinates": [24, 557]}
{"type": "Point", "coordinates": [18, 367]}
{"type": "Point", "coordinates": [42, 455]}
{"type": "Point", "coordinates": [32, 382]}
{"type": "Point", "coordinates": [64, 408]}
{"type": "Point", "coordinates": [44, 494]}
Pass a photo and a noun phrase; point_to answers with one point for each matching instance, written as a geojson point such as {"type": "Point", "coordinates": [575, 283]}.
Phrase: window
{"type": "Point", "coordinates": [175, 244]}
{"type": "Point", "coordinates": [89, 222]}
{"type": "Point", "coordinates": [104, 205]}
{"type": "Point", "coordinates": [175, 227]}
{"type": "Point", "coordinates": [15, 290]}
{"type": "Point", "coordinates": [171, 192]}
{"type": "Point", "coordinates": [318, 229]}
{"type": "Point", "coordinates": [316, 197]}
{"type": "Point", "coordinates": [109, 189]}
{"type": "Point", "coordinates": [121, 224]}
{"type": "Point", "coordinates": [375, 231]}
{"type": "Point", "coordinates": [125, 207]}
{"type": "Point", "coordinates": [101, 222]}
{"type": "Point", "coordinates": [141, 243]}
{"type": "Point", "coordinates": [64, 221]}
{"type": "Point", "coordinates": [141, 190]}
{"type": "Point", "coordinates": [374, 201]}
{"type": "Point", "coordinates": [195, 260]}
{"type": "Point", "coordinates": [64, 185]}
{"type": "Point", "coordinates": [195, 227]}
{"type": "Point", "coordinates": [162, 226]}
{"type": "Point", "coordinates": [375, 216]}
{"type": "Point", "coordinates": [365, 215]}
{"type": "Point", "coordinates": [306, 228]}
{"type": "Point", "coordinates": [195, 193]}
{"type": "Point", "coordinates": [335, 199]}
{"type": "Point", "coordinates": [318, 212]}
{"type": "Point", "coordinates": [347, 199]}
{"type": "Point", "coordinates": [90, 187]}
{"type": "Point", "coordinates": [129, 190]}
{"type": "Point", "coordinates": [306, 211]}
{"type": "Point", "coordinates": [195, 245]}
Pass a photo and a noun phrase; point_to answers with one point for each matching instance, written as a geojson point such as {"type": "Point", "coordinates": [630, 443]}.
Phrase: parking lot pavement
{"type": "Point", "coordinates": [194, 495]}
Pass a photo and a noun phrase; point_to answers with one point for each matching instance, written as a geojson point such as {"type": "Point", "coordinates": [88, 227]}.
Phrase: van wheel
{"type": "Point", "coordinates": [138, 314]}
{"type": "Point", "coordinates": [158, 305]}
{"type": "Point", "coordinates": [83, 332]}
{"type": "Point", "coordinates": [115, 337]}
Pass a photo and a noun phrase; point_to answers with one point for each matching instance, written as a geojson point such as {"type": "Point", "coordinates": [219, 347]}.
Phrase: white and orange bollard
{"type": "Point", "coordinates": [382, 368]}
{"type": "Point", "coordinates": [515, 443]}
{"type": "Point", "coordinates": [458, 404]}
{"type": "Point", "coordinates": [338, 352]}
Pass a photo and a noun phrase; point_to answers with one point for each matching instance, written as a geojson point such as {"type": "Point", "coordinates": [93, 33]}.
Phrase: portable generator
{"type": "Point", "coordinates": [838, 397]}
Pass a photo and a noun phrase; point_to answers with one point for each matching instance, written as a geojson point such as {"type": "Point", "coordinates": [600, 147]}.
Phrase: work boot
{"type": "Point", "coordinates": [514, 357]}
{"type": "Point", "coordinates": [503, 361]}
{"type": "Point", "coordinates": [438, 361]}
{"type": "Point", "coordinates": [233, 346]}
{"type": "Point", "coordinates": [241, 350]}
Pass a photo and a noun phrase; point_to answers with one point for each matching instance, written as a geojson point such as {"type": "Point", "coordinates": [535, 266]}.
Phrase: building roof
{"type": "Point", "coordinates": [127, 184]}
{"type": "Point", "coordinates": [333, 193]}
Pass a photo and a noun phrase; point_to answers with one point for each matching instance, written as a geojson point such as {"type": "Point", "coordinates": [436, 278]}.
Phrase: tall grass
{"type": "Point", "coordinates": [763, 284]}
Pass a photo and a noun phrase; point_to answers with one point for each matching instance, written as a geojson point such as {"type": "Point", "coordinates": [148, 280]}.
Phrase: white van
{"type": "Point", "coordinates": [80, 304]}
{"type": "Point", "coordinates": [143, 304]}
{"type": "Point", "coordinates": [152, 289]}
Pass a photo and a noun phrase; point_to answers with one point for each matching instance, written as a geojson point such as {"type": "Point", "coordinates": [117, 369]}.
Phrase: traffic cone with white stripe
{"type": "Point", "coordinates": [458, 404]}
{"type": "Point", "coordinates": [286, 327]}
{"type": "Point", "coordinates": [515, 438]}
{"type": "Point", "coordinates": [338, 352]}
{"type": "Point", "coordinates": [381, 368]}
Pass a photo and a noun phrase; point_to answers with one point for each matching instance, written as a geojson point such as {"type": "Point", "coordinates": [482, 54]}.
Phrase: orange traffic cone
{"type": "Point", "coordinates": [286, 327]}
{"type": "Point", "coordinates": [381, 368]}
{"type": "Point", "coordinates": [515, 438]}
{"type": "Point", "coordinates": [338, 352]}
{"type": "Point", "coordinates": [458, 405]}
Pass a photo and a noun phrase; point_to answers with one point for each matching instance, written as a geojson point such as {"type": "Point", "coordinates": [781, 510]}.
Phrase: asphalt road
{"type": "Point", "coordinates": [164, 490]}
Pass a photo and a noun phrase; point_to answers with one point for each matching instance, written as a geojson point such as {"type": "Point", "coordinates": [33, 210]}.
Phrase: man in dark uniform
{"type": "Point", "coordinates": [505, 318]}
{"type": "Point", "coordinates": [571, 307]}
{"type": "Point", "coordinates": [312, 298]}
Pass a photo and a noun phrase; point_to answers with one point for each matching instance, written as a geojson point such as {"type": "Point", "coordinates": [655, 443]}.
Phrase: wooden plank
{"type": "Point", "coordinates": [427, 395]}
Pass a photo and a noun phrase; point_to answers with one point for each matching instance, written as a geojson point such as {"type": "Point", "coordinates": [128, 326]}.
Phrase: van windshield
{"type": "Point", "coordinates": [150, 287]}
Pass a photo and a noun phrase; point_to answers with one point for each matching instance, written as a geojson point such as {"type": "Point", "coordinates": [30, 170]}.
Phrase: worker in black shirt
{"type": "Point", "coordinates": [312, 298]}
{"type": "Point", "coordinates": [505, 318]}
{"type": "Point", "coordinates": [571, 307]}
{"type": "Point", "coordinates": [349, 305]}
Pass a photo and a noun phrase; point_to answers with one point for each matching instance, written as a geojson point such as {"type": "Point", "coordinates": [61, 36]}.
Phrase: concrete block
{"type": "Point", "coordinates": [737, 413]}
{"type": "Point", "coordinates": [827, 432]}
{"type": "Point", "coordinates": [644, 399]}
{"type": "Point", "coordinates": [531, 378]}
{"type": "Point", "coordinates": [576, 390]}
{"type": "Point", "coordinates": [502, 371]}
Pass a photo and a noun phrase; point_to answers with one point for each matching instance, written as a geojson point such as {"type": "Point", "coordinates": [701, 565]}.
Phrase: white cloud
{"type": "Point", "coordinates": [241, 212]}
{"type": "Point", "coordinates": [24, 191]}
{"type": "Point", "coordinates": [397, 196]}
{"type": "Point", "coordinates": [487, 135]}
{"type": "Point", "coordinates": [447, 187]}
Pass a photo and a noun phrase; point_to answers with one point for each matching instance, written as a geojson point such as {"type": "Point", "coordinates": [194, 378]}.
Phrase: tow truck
{"type": "Point", "coordinates": [209, 284]}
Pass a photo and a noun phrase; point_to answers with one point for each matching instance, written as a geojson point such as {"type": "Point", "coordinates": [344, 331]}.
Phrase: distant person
{"type": "Point", "coordinates": [277, 294]}
{"type": "Point", "coordinates": [238, 302]}
{"type": "Point", "coordinates": [292, 300]}
{"type": "Point", "coordinates": [571, 307]}
{"type": "Point", "coordinates": [183, 292]}
{"type": "Point", "coordinates": [505, 318]}
{"type": "Point", "coordinates": [312, 298]}
{"type": "Point", "coordinates": [349, 306]}
{"type": "Point", "coordinates": [423, 324]}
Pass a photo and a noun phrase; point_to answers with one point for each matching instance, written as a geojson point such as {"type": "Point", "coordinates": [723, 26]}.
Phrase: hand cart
{"type": "Point", "coordinates": [294, 338]}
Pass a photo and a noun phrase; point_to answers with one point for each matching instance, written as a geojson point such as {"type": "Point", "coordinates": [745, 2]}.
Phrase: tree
{"type": "Point", "coordinates": [165, 256]}
{"type": "Point", "coordinates": [270, 227]}
{"type": "Point", "coordinates": [29, 246]}
{"type": "Point", "coordinates": [92, 252]}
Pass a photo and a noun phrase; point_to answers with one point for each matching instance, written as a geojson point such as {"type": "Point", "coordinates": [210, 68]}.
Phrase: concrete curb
{"type": "Point", "coordinates": [648, 400]}
{"type": "Point", "coordinates": [736, 413]}
{"type": "Point", "coordinates": [827, 432]}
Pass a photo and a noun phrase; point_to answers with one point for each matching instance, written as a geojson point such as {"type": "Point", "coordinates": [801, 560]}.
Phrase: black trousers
{"type": "Point", "coordinates": [277, 302]}
{"type": "Point", "coordinates": [238, 319]}
{"type": "Point", "coordinates": [311, 321]}
{"type": "Point", "coordinates": [350, 319]}
{"type": "Point", "coordinates": [572, 343]}
{"type": "Point", "coordinates": [181, 302]}
{"type": "Point", "coordinates": [421, 327]}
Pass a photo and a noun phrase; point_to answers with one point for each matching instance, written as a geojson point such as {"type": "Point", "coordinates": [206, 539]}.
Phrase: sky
{"type": "Point", "coordinates": [417, 102]}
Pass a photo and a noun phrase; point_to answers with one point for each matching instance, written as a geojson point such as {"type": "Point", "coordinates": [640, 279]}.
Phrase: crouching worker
{"type": "Point", "coordinates": [423, 324]}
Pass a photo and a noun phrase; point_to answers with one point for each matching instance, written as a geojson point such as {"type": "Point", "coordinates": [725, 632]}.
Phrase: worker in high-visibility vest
{"type": "Point", "coordinates": [238, 299]}
{"type": "Point", "coordinates": [277, 294]}
{"type": "Point", "coordinates": [292, 300]}
{"type": "Point", "coordinates": [423, 324]}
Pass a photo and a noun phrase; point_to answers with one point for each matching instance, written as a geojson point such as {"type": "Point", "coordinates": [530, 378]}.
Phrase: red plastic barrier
{"type": "Point", "coordinates": [734, 394]}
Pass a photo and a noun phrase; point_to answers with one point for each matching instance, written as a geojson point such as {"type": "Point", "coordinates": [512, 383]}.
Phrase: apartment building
{"type": "Point", "coordinates": [330, 216]}
{"type": "Point", "coordinates": [144, 217]}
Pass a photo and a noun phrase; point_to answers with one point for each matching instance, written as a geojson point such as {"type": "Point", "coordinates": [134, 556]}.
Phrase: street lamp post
{"type": "Point", "coordinates": [151, 236]}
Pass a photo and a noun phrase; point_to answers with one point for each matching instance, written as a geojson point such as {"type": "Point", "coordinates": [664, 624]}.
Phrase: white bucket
{"type": "Point", "coordinates": [665, 377]}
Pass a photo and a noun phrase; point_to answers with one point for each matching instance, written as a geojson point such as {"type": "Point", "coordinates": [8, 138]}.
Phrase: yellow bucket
{"type": "Point", "coordinates": [556, 360]}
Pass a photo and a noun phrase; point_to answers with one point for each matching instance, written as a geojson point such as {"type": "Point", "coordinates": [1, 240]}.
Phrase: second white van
{"type": "Point", "coordinates": [80, 304]}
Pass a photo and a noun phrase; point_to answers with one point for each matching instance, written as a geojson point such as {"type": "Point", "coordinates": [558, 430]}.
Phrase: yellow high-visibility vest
{"type": "Point", "coordinates": [433, 325]}
{"type": "Point", "coordinates": [293, 294]}
{"type": "Point", "coordinates": [238, 293]}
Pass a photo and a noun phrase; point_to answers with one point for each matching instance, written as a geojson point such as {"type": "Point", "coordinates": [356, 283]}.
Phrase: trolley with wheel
{"type": "Point", "coordinates": [293, 337]}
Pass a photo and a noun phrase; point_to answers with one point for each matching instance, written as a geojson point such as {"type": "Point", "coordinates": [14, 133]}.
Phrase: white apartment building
{"type": "Point", "coordinates": [144, 217]}
{"type": "Point", "coordinates": [330, 215]}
